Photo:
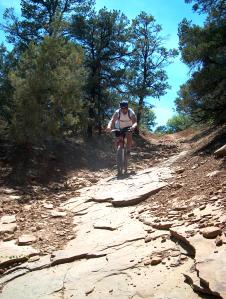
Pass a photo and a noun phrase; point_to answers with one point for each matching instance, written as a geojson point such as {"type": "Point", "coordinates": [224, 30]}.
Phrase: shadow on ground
{"type": "Point", "coordinates": [55, 161]}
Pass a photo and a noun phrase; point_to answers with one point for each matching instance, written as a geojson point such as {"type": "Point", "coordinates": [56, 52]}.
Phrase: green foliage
{"type": "Point", "coordinates": [161, 130]}
{"type": "Point", "coordinates": [104, 37]}
{"type": "Point", "coordinates": [47, 91]}
{"type": "Point", "coordinates": [7, 63]}
{"type": "Point", "coordinates": [214, 8]}
{"type": "Point", "coordinates": [203, 49]}
{"type": "Point", "coordinates": [146, 74]}
{"type": "Point", "coordinates": [176, 123]}
{"type": "Point", "coordinates": [179, 123]}
{"type": "Point", "coordinates": [148, 118]}
{"type": "Point", "coordinates": [40, 18]}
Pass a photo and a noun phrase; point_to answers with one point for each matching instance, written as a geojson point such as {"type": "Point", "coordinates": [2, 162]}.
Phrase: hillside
{"type": "Point", "coordinates": [35, 184]}
{"type": "Point", "coordinates": [53, 174]}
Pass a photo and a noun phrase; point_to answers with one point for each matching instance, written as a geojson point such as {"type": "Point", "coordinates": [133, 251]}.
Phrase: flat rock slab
{"type": "Point", "coordinates": [108, 225]}
{"type": "Point", "coordinates": [125, 191]}
{"type": "Point", "coordinates": [10, 253]}
{"type": "Point", "coordinates": [142, 194]}
{"type": "Point", "coordinates": [122, 273]}
{"type": "Point", "coordinates": [26, 240]}
{"type": "Point", "coordinates": [8, 228]}
{"type": "Point", "coordinates": [58, 214]}
{"type": "Point", "coordinates": [8, 219]}
{"type": "Point", "coordinates": [129, 190]}
{"type": "Point", "coordinates": [210, 262]}
{"type": "Point", "coordinates": [109, 257]}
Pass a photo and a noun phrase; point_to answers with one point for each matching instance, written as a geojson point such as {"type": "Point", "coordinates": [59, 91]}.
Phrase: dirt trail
{"type": "Point", "coordinates": [142, 236]}
{"type": "Point", "coordinates": [111, 256]}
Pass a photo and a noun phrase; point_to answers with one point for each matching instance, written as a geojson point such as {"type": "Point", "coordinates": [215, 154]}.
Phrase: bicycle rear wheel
{"type": "Point", "coordinates": [125, 161]}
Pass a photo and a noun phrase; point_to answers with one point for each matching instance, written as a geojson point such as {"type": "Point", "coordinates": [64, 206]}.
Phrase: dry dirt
{"type": "Point", "coordinates": [33, 180]}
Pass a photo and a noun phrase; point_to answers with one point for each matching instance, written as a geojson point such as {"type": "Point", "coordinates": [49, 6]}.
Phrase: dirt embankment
{"type": "Point", "coordinates": [34, 183]}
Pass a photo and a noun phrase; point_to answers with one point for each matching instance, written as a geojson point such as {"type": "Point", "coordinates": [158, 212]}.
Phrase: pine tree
{"type": "Point", "coordinates": [203, 49]}
{"type": "Point", "coordinates": [39, 19]}
{"type": "Point", "coordinates": [146, 74]}
{"type": "Point", "coordinates": [47, 91]}
{"type": "Point", "coordinates": [104, 37]}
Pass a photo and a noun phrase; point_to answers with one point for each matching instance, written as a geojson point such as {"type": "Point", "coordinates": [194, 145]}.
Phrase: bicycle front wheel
{"type": "Point", "coordinates": [120, 160]}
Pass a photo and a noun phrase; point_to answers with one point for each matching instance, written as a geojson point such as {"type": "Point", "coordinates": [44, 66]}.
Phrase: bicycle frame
{"type": "Point", "coordinates": [122, 157]}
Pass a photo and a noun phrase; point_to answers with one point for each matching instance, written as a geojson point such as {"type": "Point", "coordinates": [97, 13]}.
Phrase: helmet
{"type": "Point", "coordinates": [123, 104]}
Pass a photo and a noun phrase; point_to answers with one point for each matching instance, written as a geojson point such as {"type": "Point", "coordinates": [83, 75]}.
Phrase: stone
{"type": "Point", "coordinates": [173, 213]}
{"type": "Point", "coordinates": [148, 238]}
{"type": "Point", "coordinates": [8, 219]}
{"type": "Point", "coordinates": [191, 214]}
{"type": "Point", "coordinates": [211, 232]}
{"type": "Point", "coordinates": [223, 219]}
{"type": "Point", "coordinates": [221, 152]}
{"type": "Point", "coordinates": [175, 253]}
{"type": "Point", "coordinates": [56, 214]}
{"type": "Point", "coordinates": [8, 191]}
{"type": "Point", "coordinates": [213, 173]}
{"type": "Point", "coordinates": [219, 241]}
{"type": "Point", "coordinates": [162, 225]}
{"type": "Point", "coordinates": [156, 260]}
{"type": "Point", "coordinates": [132, 199]}
{"type": "Point", "coordinates": [178, 185]}
{"type": "Point", "coordinates": [8, 228]}
{"type": "Point", "coordinates": [195, 166]}
{"type": "Point", "coordinates": [8, 237]}
{"type": "Point", "coordinates": [213, 198]}
{"type": "Point", "coordinates": [179, 170]}
{"type": "Point", "coordinates": [202, 207]}
{"type": "Point", "coordinates": [105, 225]}
{"type": "Point", "coordinates": [180, 208]}
{"type": "Point", "coordinates": [27, 207]}
{"type": "Point", "coordinates": [26, 240]}
{"type": "Point", "coordinates": [15, 197]}
{"type": "Point", "coordinates": [147, 262]}
{"type": "Point", "coordinates": [208, 261]}
{"type": "Point", "coordinates": [34, 258]}
{"type": "Point", "coordinates": [48, 206]}
{"type": "Point", "coordinates": [10, 253]}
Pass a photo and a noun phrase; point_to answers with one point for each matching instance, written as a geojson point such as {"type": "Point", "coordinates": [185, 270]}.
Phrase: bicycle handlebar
{"type": "Point", "coordinates": [124, 130]}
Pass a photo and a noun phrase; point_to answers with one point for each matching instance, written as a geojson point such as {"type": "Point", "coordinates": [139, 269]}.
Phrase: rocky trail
{"type": "Point", "coordinates": [158, 233]}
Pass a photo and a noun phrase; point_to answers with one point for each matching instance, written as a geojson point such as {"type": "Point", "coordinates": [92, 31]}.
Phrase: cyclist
{"type": "Point", "coordinates": [122, 118]}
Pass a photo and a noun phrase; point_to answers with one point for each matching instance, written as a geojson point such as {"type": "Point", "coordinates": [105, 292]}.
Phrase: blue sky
{"type": "Point", "coordinates": [168, 14]}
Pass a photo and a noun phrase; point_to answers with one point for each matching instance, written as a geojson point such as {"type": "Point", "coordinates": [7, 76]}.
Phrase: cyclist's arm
{"type": "Point", "coordinates": [111, 123]}
{"type": "Point", "coordinates": [134, 121]}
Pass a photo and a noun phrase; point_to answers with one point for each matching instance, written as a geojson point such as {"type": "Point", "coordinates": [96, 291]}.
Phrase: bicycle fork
{"type": "Point", "coordinates": [122, 156]}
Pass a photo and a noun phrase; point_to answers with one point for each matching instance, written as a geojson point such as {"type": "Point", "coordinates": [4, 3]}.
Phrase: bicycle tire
{"type": "Point", "coordinates": [119, 161]}
{"type": "Point", "coordinates": [125, 163]}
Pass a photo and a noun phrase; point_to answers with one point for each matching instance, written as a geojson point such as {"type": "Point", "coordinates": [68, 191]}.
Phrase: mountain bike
{"type": "Point", "coordinates": [122, 151]}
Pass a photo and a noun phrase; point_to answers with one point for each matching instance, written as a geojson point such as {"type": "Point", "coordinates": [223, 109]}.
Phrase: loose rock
{"type": "Point", "coordinates": [211, 232]}
{"type": "Point", "coordinates": [26, 240]}
{"type": "Point", "coordinates": [156, 260]}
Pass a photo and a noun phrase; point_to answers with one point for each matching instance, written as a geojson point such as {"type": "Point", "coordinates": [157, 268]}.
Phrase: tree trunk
{"type": "Point", "coordinates": [90, 122]}
{"type": "Point", "coordinates": [99, 102]}
{"type": "Point", "coordinates": [140, 109]}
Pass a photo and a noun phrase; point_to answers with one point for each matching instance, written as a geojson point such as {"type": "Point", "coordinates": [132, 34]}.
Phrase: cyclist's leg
{"type": "Point", "coordinates": [117, 142]}
{"type": "Point", "coordinates": [129, 141]}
